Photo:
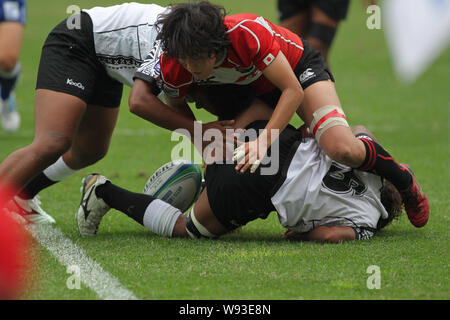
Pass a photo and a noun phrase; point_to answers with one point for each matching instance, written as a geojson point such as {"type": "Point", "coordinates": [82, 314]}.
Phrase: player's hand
{"type": "Point", "coordinates": [211, 144]}
{"type": "Point", "coordinates": [250, 154]}
{"type": "Point", "coordinates": [291, 235]}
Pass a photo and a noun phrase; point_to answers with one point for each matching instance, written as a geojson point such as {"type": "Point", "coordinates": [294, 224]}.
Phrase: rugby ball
{"type": "Point", "coordinates": [178, 183]}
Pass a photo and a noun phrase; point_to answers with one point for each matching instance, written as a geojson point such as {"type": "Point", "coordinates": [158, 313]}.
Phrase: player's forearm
{"type": "Point", "coordinates": [150, 108]}
{"type": "Point", "coordinates": [330, 234]}
{"type": "Point", "coordinates": [181, 106]}
{"type": "Point", "coordinates": [288, 104]}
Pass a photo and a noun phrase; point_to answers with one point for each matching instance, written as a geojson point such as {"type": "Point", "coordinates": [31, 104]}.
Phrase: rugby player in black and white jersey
{"type": "Point", "coordinates": [85, 61]}
{"type": "Point", "coordinates": [315, 198]}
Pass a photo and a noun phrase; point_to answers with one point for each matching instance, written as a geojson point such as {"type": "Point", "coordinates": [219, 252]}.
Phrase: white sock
{"type": "Point", "coordinates": [59, 170]}
{"type": "Point", "coordinates": [160, 218]}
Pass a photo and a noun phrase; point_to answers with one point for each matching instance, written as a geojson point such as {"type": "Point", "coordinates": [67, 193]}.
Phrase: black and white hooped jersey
{"type": "Point", "coordinates": [124, 36]}
{"type": "Point", "coordinates": [318, 191]}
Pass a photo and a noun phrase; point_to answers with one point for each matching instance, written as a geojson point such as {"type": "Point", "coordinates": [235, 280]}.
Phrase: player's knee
{"type": "Point", "coordinates": [51, 149]}
{"type": "Point", "coordinates": [7, 62]}
{"type": "Point", "coordinates": [89, 157]}
{"type": "Point", "coordinates": [342, 153]}
{"type": "Point", "coordinates": [359, 128]}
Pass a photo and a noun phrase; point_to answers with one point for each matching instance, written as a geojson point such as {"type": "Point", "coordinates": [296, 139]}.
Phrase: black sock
{"type": "Point", "coordinates": [130, 203]}
{"type": "Point", "coordinates": [380, 162]}
{"type": "Point", "coordinates": [7, 85]}
{"type": "Point", "coordinates": [40, 182]}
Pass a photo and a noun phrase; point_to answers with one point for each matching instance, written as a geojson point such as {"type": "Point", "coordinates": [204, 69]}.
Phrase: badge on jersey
{"type": "Point", "coordinates": [268, 60]}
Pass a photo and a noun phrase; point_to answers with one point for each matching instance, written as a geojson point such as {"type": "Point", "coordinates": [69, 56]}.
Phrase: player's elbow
{"type": "Point", "coordinates": [347, 153]}
{"type": "Point", "coordinates": [141, 97]}
{"type": "Point", "coordinates": [137, 102]}
{"type": "Point", "coordinates": [297, 94]}
{"type": "Point", "coordinates": [134, 104]}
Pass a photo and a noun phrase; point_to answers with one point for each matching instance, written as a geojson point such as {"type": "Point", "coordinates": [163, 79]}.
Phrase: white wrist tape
{"type": "Point", "coordinates": [325, 118]}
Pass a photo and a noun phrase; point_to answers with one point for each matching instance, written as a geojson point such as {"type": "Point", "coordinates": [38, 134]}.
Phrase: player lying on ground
{"type": "Point", "coordinates": [85, 62]}
{"type": "Point", "coordinates": [203, 46]}
{"type": "Point", "coordinates": [315, 197]}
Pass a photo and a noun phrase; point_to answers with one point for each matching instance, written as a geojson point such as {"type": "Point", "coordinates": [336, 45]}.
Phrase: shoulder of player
{"type": "Point", "coordinates": [173, 74]}
{"type": "Point", "coordinates": [243, 23]}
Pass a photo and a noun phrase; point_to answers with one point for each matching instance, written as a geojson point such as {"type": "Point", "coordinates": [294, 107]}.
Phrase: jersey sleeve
{"type": "Point", "coordinates": [256, 43]}
{"type": "Point", "coordinates": [176, 80]}
{"type": "Point", "coordinates": [150, 70]}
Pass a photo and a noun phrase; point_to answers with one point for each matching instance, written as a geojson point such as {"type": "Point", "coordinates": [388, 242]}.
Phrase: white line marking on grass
{"type": "Point", "coordinates": [67, 253]}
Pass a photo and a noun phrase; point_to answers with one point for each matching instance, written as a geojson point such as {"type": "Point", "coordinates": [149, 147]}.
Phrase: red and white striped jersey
{"type": "Point", "coordinates": [255, 42]}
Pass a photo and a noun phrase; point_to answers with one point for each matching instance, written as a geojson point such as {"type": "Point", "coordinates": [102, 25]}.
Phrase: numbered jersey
{"type": "Point", "coordinates": [123, 36]}
{"type": "Point", "coordinates": [318, 191]}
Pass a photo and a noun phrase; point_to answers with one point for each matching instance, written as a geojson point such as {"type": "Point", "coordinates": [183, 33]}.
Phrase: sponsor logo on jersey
{"type": "Point", "coordinates": [79, 85]}
{"type": "Point", "coordinates": [306, 75]}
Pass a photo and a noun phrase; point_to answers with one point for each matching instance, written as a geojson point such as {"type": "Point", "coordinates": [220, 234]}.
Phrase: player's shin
{"type": "Point", "coordinates": [379, 161]}
{"type": "Point", "coordinates": [154, 214]}
{"type": "Point", "coordinates": [53, 174]}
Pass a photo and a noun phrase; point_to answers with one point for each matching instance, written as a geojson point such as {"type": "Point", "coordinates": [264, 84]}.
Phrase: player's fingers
{"type": "Point", "coordinates": [245, 167]}
{"type": "Point", "coordinates": [239, 153]}
{"type": "Point", "coordinates": [241, 166]}
{"type": "Point", "coordinates": [255, 165]}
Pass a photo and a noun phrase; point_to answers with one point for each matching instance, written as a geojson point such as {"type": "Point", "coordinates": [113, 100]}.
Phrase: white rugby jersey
{"type": "Point", "coordinates": [124, 35]}
{"type": "Point", "coordinates": [318, 191]}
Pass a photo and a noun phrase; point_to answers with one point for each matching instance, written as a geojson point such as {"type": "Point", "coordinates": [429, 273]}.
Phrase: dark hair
{"type": "Point", "coordinates": [392, 202]}
{"type": "Point", "coordinates": [189, 30]}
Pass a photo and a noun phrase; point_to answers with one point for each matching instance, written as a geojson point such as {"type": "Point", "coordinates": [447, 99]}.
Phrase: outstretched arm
{"type": "Point", "coordinates": [144, 103]}
{"type": "Point", "coordinates": [323, 234]}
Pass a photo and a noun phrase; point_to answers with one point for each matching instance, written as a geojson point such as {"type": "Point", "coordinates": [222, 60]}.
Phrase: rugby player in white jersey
{"type": "Point", "coordinates": [85, 62]}
{"type": "Point", "coordinates": [315, 198]}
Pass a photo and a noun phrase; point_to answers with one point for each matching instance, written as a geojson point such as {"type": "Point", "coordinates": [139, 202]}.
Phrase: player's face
{"type": "Point", "coordinates": [200, 67]}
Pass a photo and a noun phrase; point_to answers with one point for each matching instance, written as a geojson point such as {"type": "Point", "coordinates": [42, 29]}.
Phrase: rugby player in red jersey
{"type": "Point", "coordinates": [201, 46]}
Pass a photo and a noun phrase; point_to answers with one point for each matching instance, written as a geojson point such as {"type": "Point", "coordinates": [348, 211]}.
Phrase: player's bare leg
{"type": "Point", "coordinates": [93, 138]}
{"type": "Point", "coordinates": [321, 32]}
{"type": "Point", "coordinates": [11, 34]}
{"type": "Point", "coordinates": [321, 106]}
{"type": "Point", "coordinates": [57, 117]}
{"type": "Point", "coordinates": [298, 23]}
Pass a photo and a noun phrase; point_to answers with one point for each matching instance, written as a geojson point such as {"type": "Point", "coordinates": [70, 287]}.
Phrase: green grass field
{"type": "Point", "coordinates": [254, 263]}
